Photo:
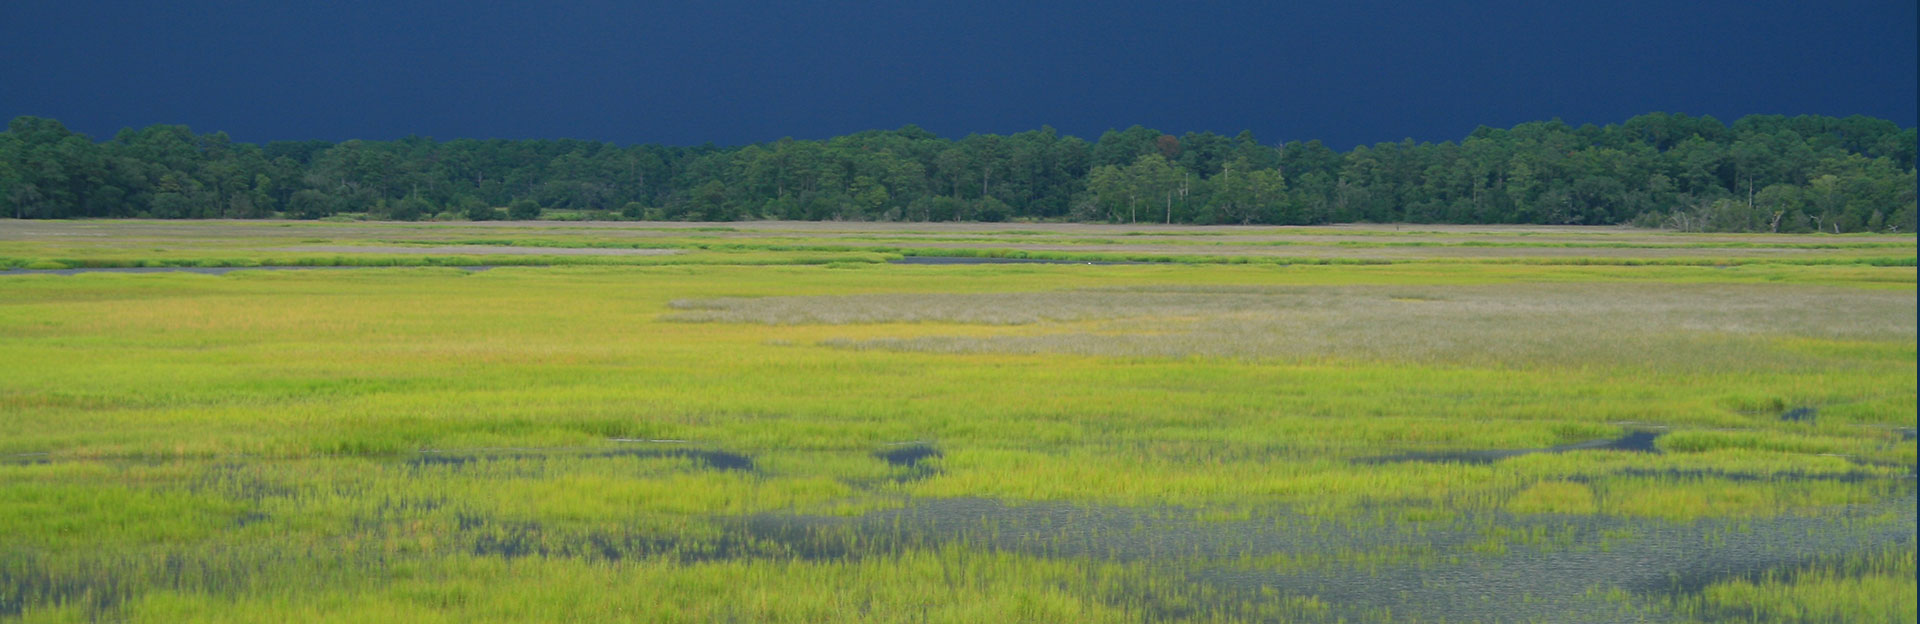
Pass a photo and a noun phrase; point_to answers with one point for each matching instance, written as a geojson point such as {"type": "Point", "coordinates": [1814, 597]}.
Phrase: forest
{"type": "Point", "coordinates": [1763, 173]}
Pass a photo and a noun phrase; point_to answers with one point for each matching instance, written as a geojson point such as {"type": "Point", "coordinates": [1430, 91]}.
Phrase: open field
{"type": "Point", "coordinates": [67, 244]}
{"type": "Point", "coordinates": [771, 422]}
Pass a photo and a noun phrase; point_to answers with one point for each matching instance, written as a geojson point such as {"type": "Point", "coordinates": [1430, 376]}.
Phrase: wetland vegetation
{"type": "Point", "coordinates": [775, 421]}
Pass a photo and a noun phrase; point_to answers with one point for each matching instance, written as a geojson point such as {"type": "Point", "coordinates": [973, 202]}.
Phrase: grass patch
{"type": "Point", "coordinates": [712, 434]}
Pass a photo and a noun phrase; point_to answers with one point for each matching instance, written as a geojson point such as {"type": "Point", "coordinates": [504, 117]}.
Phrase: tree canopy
{"type": "Point", "coordinates": [1761, 173]}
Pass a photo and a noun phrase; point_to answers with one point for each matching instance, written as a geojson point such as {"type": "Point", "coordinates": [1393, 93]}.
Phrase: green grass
{"type": "Point", "coordinates": [70, 244]}
{"type": "Point", "coordinates": [1871, 589]}
{"type": "Point", "coordinates": [415, 442]}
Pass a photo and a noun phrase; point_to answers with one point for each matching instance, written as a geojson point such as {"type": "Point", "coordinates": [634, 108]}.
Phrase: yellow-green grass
{"type": "Point", "coordinates": [956, 585]}
{"type": "Point", "coordinates": [1221, 390]}
{"type": "Point", "coordinates": [1878, 588]}
{"type": "Point", "coordinates": [387, 362]}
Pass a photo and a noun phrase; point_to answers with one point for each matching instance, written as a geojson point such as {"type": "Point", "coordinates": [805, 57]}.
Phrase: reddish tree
{"type": "Point", "coordinates": [1169, 146]}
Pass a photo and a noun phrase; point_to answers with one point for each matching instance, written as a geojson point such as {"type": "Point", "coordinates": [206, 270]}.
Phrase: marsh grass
{"type": "Point", "coordinates": [1170, 441]}
{"type": "Point", "coordinates": [1665, 327]}
{"type": "Point", "coordinates": [316, 536]}
{"type": "Point", "coordinates": [1872, 588]}
{"type": "Point", "coordinates": [51, 245]}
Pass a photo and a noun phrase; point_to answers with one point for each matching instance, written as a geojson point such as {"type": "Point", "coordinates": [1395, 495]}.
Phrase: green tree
{"type": "Point", "coordinates": [1243, 194]}
{"type": "Point", "coordinates": [476, 209]}
{"type": "Point", "coordinates": [523, 210]}
{"type": "Point", "coordinates": [310, 204]}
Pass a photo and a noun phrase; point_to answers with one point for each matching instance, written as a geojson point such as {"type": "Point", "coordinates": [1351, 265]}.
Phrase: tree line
{"type": "Point", "coordinates": [1766, 173]}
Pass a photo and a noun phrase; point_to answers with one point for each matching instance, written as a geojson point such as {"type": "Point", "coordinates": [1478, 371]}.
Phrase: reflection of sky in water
{"type": "Point", "coordinates": [1444, 576]}
{"type": "Point", "coordinates": [1469, 566]}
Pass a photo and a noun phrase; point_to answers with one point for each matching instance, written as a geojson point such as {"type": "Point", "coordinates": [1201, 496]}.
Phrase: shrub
{"type": "Point", "coordinates": [523, 210]}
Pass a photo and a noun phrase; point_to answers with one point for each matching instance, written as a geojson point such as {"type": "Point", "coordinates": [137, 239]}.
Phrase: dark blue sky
{"type": "Point", "coordinates": [738, 72]}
